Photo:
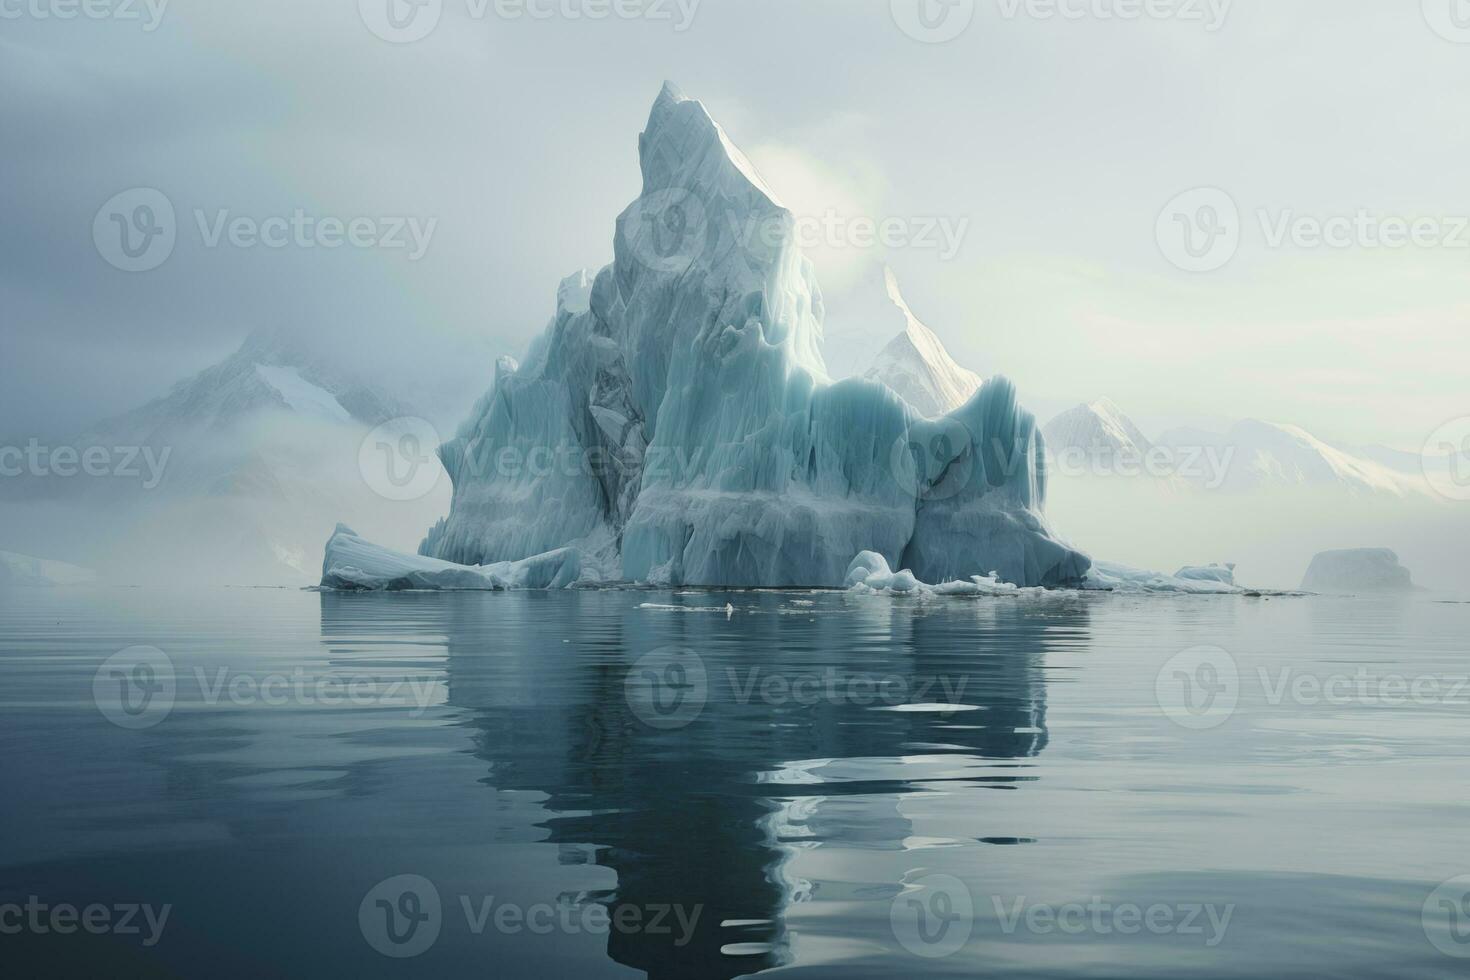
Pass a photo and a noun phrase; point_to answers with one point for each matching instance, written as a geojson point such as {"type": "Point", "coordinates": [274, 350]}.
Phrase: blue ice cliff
{"type": "Point", "coordinates": [675, 424]}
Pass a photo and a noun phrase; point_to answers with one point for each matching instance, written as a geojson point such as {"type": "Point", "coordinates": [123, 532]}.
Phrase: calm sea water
{"type": "Point", "coordinates": [624, 783]}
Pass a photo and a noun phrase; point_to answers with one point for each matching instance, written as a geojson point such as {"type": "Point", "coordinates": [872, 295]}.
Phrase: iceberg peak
{"type": "Point", "coordinates": [683, 147]}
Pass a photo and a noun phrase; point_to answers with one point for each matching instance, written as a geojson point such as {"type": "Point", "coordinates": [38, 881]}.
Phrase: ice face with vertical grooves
{"type": "Point", "coordinates": [696, 438]}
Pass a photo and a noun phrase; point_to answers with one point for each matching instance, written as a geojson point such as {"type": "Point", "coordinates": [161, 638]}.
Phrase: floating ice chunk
{"type": "Point", "coordinates": [354, 564]}
{"type": "Point", "coordinates": [1111, 576]}
{"type": "Point", "coordinates": [870, 572]}
{"type": "Point", "coordinates": [1224, 574]}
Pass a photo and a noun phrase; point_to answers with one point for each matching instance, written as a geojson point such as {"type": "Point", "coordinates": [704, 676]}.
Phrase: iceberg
{"type": "Point", "coordinates": [353, 564]}
{"type": "Point", "coordinates": [1357, 570]}
{"type": "Point", "coordinates": [675, 423]}
{"type": "Point", "coordinates": [1224, 574]}
{"type": "Point", "coordinates": [1108, 576]}
{"type": "Point", "coordinates": [23, 570]}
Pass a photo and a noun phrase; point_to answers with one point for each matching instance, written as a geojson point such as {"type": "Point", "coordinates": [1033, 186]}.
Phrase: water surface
{"type": "Point", "coordinates": [705, 784]}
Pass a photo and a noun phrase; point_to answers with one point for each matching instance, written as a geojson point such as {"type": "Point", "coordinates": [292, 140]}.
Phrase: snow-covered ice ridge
{"type": "Point", "coordinates": [916, 364]}
{"type": "Point", "coordinates": [687, 379]}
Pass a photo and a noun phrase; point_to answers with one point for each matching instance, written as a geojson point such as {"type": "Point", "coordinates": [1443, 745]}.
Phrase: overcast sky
{"type": "Point", "coordinates": [1055, 142]}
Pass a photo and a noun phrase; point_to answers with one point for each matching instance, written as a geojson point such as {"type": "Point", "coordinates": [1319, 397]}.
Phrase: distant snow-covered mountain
{"type": "Point", "coordinates": [273, 370]}
{"type": "Point", "coordinates": [915, 364]}
{"type": "Point", "coordinates": [1267, 454]}
{"type": "Point", "coordinates": [243, 467]}
{"type": "Point", "coordinates": [1098, 427]}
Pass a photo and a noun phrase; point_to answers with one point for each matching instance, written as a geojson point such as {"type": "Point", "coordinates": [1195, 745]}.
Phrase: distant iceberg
{"type": "Point", "coordinates": [23, 570]}
{"type": "Point", "coordinates": [675, 424]}
{"type": "Point", "coordinates": [1358, 570]}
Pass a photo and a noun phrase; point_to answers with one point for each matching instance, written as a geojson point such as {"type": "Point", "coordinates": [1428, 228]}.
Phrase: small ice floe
{"type": "Point", "coordinates": [937, 707]}
{"type": "Point", "coordinates": [669, 607]}
{"type": "Point", "coordinates": [870, 572]}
